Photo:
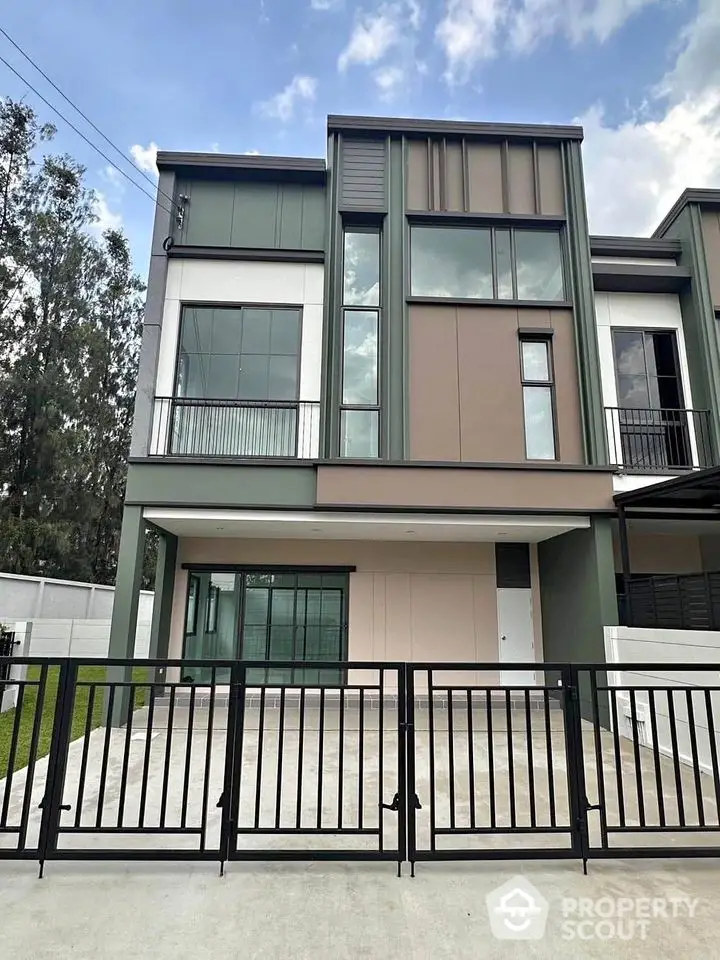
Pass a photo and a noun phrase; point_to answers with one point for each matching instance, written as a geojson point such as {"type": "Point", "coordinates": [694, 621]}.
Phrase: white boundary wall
{"type": "Point", "coordinates": [679, 649]}
{"type": "Point", "coordinates": [35, 598]}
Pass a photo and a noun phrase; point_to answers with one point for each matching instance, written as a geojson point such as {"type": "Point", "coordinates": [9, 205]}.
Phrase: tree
{"type": "Point", "coordinates": [70, 313]}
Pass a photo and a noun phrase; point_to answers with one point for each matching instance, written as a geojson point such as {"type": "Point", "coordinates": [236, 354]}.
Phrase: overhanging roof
{"type": "Point", "coordinates": [707, 197]}
{"type": "Point", "coordinates": [411, 126]}
{"type": "Point", "coordinates": [699, 490]}
{"type": "Point", "coordinates": [249, 166]}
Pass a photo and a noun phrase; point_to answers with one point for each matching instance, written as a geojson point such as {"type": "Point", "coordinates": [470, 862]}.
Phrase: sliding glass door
{"type": "Point", "coordinates": [295, 617]}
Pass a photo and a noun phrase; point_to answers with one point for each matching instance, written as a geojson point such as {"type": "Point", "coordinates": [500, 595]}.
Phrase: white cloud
{"type": "Point", "coordinates": [636, 170]}
{"type": "Point", "coordinates": [326, 4]}
{"type": "Point", "coordinates": [251, 153]}
{"type": "Point", "coordinates": [389, 81]}
{"type": "Point", "coordinates": [145, 157]}
{"type": "Point", "coordinates": [106, 219]}
{"type": "Point", "coordinates": [372, 37]}
{"type": "Point", "coordinates": [114, 178]}
{"type": "Point", "coordinates": [282, 105]}
{"type": "Point", "coordinates": [468, 34]}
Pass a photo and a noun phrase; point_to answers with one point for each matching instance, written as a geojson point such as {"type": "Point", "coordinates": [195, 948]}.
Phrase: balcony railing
{"type": "Point", "coordinates": [642, 439]}
{"type": "Point", "coordinates": [184, 427]}
{"type": "Point", "coordinates": [664, 601]}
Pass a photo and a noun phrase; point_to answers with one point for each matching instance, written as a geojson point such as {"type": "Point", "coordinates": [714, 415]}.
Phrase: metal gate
{"type": "Point", "coordinates": [123, 760]}
{"type": "Point", "coordinates": [318, 772]}
{"type": "Point", "coordinates": [491, 767]}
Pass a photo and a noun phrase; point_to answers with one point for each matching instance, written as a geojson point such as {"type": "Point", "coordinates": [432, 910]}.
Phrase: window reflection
{"type": "Point", "coordinates": [539, 265]}
{"type": "Point", "coordinates": [361, 268]}
{"type": "Point", "coordinates": [359, 433]}
{"type": "Point", "coordinates": [451, 262]}
{"type": "Point", "coordinates": [360, 357]}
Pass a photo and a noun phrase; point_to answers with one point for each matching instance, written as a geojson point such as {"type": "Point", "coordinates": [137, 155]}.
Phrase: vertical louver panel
{"type": "Point", "coordinates": [363, 176]}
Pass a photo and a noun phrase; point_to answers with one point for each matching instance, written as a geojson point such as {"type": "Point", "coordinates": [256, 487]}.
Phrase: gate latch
{"type": "Point", "coordinates": [63, 806]}
{"type": "Point", "coordinates": [395, 805]}
{"type": "Point", "coordinates": [592, 806]}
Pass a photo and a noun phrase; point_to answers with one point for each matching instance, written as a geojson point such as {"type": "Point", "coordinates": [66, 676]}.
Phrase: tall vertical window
{"type": "Point", "coordinates": [538, 399]}
{"type": "Point", "coordinates": [360, 404]}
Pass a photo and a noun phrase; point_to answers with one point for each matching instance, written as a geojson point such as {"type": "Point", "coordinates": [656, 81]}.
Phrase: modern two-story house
{"type": "Point", "coordinates": [386, 401]}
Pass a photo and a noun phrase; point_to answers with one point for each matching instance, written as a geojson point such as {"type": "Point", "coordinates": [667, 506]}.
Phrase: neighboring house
{"type": "Point", "coordinates": [385, 402]}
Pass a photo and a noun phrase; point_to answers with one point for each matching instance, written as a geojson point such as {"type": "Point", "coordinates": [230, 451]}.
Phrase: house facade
{"type": "Point", "coordinates": [386, 401]}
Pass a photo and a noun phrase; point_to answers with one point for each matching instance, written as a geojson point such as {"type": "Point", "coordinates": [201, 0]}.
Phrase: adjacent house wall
{"type": "Point", "coordinates": [465, 390]}
{"type": "Point", "coordinates": [711, 238]}
{"type": "Point", "coordinates": [660, 553]}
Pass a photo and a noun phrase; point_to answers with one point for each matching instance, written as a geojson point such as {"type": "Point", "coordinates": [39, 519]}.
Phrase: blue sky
{"type": "Point", "coordinates": [642, 76]}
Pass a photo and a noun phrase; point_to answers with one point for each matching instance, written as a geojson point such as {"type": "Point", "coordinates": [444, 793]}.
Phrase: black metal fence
{"type": "Point", "coordinates": [667, 601]}
{"type": "Point", "coordinates": [184, 426]}
{"type": "Point", "coordinates": [647, 439]}
{"type": "Point", "coordinates": [418, 762]}
{"type": "Point", "coordinates": [7, 648]}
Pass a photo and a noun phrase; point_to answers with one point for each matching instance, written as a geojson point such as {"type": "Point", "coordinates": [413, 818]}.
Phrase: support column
{"type": "Point", "coordinates": [125, 604]}
{"type": "Point", "coordinates": [625, 561]}
{"type": "Point", "coordinates": [163, 601]}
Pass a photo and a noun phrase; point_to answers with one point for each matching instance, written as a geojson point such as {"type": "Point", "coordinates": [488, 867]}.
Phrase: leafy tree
{"type": "Point", "coordinates": [70, 314]}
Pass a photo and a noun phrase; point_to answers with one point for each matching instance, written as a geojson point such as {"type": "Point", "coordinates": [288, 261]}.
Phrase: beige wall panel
{"type": "Point", "coordinates": [416, 175]}
{"type": "Point", "coordinates": [476, 488]}
{"type": "Point", "coordinates": [433, 418]}
{"type": "Point", "coordinates": [177, 616]}
{"type": "Point", "coordinates": [454, 177]}
{"type": "Point", "coordinates": [537, 610]}
{"type": "Point", "coordinates": [521, 183]}
{"type": "Point", "coordinates": [711, 236]}
{"type": "Point", "coordinates": [660, 553]}
{"type": "Point", "coordinates": [552, 192]}
{"type": "Point", "coordinates": [491, 413]}
{"type": "Point", "coordinates": [485, 178]}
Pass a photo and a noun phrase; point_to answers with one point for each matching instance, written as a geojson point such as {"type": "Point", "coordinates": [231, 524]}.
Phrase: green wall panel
{"type": "Point", "coordinates": [213, 485]}
{"type": "Point", "coordinates": [257, 215]}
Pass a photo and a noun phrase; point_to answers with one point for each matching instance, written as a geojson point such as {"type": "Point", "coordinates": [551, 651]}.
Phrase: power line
{"type": "Point", "coordinates": [81, 134]}
{"type": "Point", "coordinates": [84, 116]}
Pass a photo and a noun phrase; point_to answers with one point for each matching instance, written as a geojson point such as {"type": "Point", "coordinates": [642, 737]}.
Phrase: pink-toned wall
{"type": "Point", "coordinates": [408, 601]}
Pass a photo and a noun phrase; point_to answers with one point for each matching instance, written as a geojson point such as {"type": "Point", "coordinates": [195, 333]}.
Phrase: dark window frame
{"type": "Point", "coordinates": [644, 332]}
{"type": "Point", "coordinates": [352, 226]}
{"type": "Point", "coordinates": [232, 305]}
{"type": "Point", "coordinates": [193, 580]}
{"type": "Point", "coordinates": [492, 228]}
{"type": "Point", "coordinates": [549, 384]}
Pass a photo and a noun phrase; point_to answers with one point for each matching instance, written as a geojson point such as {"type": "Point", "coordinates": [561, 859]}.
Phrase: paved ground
{"type": "Point", "coordinates": [113, 911]}
{"type": "Point", "coordinates": [316, 910]}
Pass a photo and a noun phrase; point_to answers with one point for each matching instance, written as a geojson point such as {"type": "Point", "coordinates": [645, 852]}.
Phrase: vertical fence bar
{"type": "Point", "coordinates": [411, 788]}
{"type": "Point", "coordinates": [188, 758]}
{"type": "Point", "coordinates": [550, 758]}
{"type": "Point", "coordinates": [656, 757]}
{"type": "Point", "coordinates": [126, 757]}
{"type": "Point", "coordinates": [208, 758]}
{"type": "Point", "coordinates": [491, 759]}
{"type": "Point", "coordinates": [531, 760]}
{"type": "Point", "coordinates": [259, 764]}
{"type": "Point", "coordinates": [600, 771]}
{"type": "Point", "coordinates": [618, 757]}
{"type": "Point", "coordinates": [321, 757]}
{"type": "Point", "coordinates": [511, 759]}
{"type": "Point", "coordinates": [695, 759]}
{"type": "Point", "coordinates": [301, 740]}
{"type": "Point", "coordinates": [57, 761]}
{"type": "Point", "coordinates": [676, 758]}
{"type": "Point", "coordinates": [636, 758]}
{"type": "Point", "coordinates": [168, 755]}
{"type": "Point", "coordinates": [34, 740]}
{"type": "Point", "coordinates": [407, 805]}
{"type": "Point", "coordinates": [431, 755]}
{"type": "Point", "coordinates": [451, 758]}
{"type": "Point", "coordinates": [341, 758]}
{"type": "Point", "coordinates": [147, 755]}
{"type": "Point", "coordinates": [279, 770]}
{"type": "Point", "coordinates": [713, 751]}
{"type": "Point", "coordinates": [471, 756]}
{"type": "Point", "coordinates": [14, 739]}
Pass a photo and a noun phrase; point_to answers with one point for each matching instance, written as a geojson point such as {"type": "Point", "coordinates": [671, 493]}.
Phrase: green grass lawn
{"type": "Point", "coordinates": [80, 712]}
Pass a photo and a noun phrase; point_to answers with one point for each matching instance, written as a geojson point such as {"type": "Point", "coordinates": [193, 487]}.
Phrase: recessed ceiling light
{"type": "Point", "coordinates": [502, 534]}
{"type": "Point", "coordinates": [315, 530]}
{"type": "Point", "coordinates": [410, 531]}
{"type": "Point", "coordinates": [219, 528]}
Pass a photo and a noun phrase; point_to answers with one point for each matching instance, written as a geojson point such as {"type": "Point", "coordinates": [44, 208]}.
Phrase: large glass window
{"type": "Point", "coordinates": [485, 263]}
{"type": "Point", "coordinates": [237, 382]}
{"type": "Point", "coordinates": [451, 262]}
{"type": "Point", "coordinates": [295, 617]}
{"type": "Point", "coordinates": [538, 400]}
{"type": "Point", "coordinates": [360, 409]}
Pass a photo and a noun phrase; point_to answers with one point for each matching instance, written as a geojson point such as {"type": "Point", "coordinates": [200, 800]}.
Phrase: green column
{"type": "Point", "coordinates": [577, 595]}
{"type": "Point", "coordinates": [162, 604]}
{"type": "Point", "coordinates": [125, 604]}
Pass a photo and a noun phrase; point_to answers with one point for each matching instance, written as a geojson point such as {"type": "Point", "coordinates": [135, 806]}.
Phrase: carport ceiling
{"type": "Point", "coordinates": [316, 525]}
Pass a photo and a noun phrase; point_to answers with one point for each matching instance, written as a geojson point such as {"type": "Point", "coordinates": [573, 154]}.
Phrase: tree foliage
{"type": "Point", "coordinates": [70, 315]}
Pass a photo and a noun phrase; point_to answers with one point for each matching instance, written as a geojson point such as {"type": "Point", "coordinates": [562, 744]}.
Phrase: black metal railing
{"type": "Point", "coordinates": [644, 439]}
{"type": "Point", "coordinates": [235, 428]}
{"type": "Point", "coordinates": [401, 761]}
{"type": "Point", "coordinates": [670, 602]}
{"type": "Point", "coordinates": [7, 647]}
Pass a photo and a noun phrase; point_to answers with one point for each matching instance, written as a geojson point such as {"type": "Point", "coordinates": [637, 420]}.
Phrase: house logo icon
{"type": "Point", "coordinates": [517, 911]}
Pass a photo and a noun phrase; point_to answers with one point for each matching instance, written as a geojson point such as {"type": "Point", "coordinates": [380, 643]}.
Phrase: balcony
{"type": "Point", "coordinates": [243, 429]}
{"type": "Point", "coordinates": [656, 440]}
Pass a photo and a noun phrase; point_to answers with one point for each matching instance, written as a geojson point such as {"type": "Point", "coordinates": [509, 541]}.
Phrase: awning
{"type": "Point", "coordinates": [697, 492]}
